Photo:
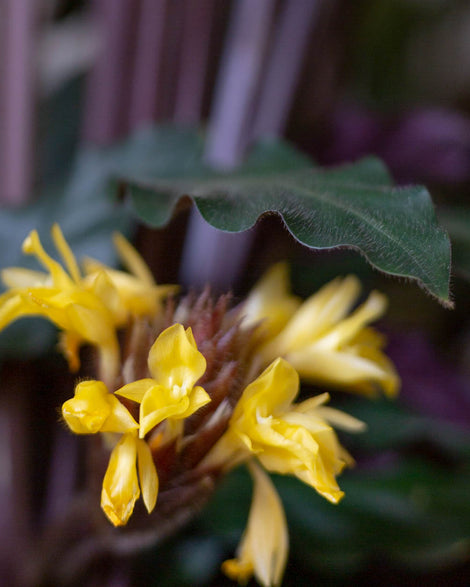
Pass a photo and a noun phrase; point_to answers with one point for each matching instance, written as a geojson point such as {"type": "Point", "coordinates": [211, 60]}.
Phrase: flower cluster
{"type": "Point", "coordinates": [190, 390]}
{"type": "Point", "coordinates": [169, 397]}
{"type": "Point", "coordinates": [325, 342]}
{"type": "Point", "coordinates": [87, 307]}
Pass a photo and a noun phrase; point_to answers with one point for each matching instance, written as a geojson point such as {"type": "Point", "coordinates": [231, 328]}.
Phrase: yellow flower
{"type": "Point", "coordinates": [286, 438]}
{"type": "Point", "coordinates": [59, 296]}
{"type": "Point", "coordinates": [86, 308]}
{"type": "Point", "coordinates": [93, 409]}
{"type": "Point", "coordinates": [138, 293]}
{"type": "Point", "coordinates": [120, 484]}
{"type": "Point", "coordinates": [264, 545]}
{"type": "Point", "coordinates": [170, 394]}
{"type": "Point", "coordinates": [270, 303]}
{"type": "Point", "coordinates": [326, 342]}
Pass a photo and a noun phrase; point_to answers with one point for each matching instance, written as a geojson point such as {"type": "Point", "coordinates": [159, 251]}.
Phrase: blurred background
{"type": "Point", "coordinates": [79, 81]}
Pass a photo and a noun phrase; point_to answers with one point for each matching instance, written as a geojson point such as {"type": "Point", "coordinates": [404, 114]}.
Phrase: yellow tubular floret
{"type": "Point", "coordinates": [89, 308]}
{"type": "Point", "coordinates": [120, 484]}
{"type": "Point", "coordinates": [264, 546]}
{"type": "Point", "coordinates": [270, 302]}
{"type": "Point", "coordinates": [66, 253]}
{"type": "Point", "coordinates": [170, 394]}
{"type": "Point", "coordinates": [132, 260]}
{"type": "Point", "coordinates": [138, 293]}
{"type": "Point", "coordinates": [93, 409]}
{"type": "Point", "coordinates": [326, 342]}
{"type": "Point", "coordinates": [286, 438]}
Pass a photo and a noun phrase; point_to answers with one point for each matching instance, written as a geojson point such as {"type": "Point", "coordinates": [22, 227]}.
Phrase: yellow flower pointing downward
{"type": "Point", "coordinates": [285, 438]}
{"type": "Point", "coordinates": [176, 365]}
{"type": "Point", "coordinates": [93, 409]}
{"type": "Point", "coordinates": [264, 546]}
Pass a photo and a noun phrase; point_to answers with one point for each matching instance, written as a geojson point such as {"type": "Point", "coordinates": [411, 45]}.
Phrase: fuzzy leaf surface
{"type": "Point", "coordinates": [353, 206]}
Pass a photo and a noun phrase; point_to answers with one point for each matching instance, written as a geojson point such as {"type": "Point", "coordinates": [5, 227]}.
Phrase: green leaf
{"type": "Point", "coordinates": [354, 206]}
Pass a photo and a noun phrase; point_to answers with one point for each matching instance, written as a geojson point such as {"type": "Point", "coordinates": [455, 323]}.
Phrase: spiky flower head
{"type": "Point", "coordinates": [189, 388]}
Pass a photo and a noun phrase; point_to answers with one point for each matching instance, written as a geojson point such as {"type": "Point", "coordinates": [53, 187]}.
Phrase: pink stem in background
{"type": "Point", "coordinates": [210, 255]}
{"type": "Point", "coordinates": [146, 86]}
{"type": "Point", "coordinates": [284, 66]}
{"type": "Point", "coordinates": [194, 60]}
{"type": "Point", "coordinates": [109, 85]}
{"type": "Point", "coordinates": [237, 82]}
{"type": "Point", "coordinates": [171, 57]}
{"type": "Point", "coordinates": [17, 99]}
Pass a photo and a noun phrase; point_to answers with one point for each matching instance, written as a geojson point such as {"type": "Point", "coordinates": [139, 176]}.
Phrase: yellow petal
{"type": "Point", "coordinates": [32, 246]}
{"type": "Point", "coordinates": [317, 314]}
{"type": "Point", "coordinates": [274, 390]}
{"type": "Point", "coordinates": [14, 306]}
{"type": "Point", "coordinates": [120, 485]}
{"type": "Point", "coordinates": [389, 381]}
{"type": "Point", "coordinates": [147, 475]}
{"type": "Point", "coordinates": [69, 345]}
{"type": "Point", "coordinates": [197, 399]}
{"type": "Point", "coordinates": [341, 420]}
{"type": "Point", "coordinates": [132, 260]}
{"type": "Point", "coordinates": [338, 418]}
{"type": "Point", "coordinates": [335, 368]}
{"type": "Point", "coordinates": [87, 411]}
{"type": "Point", "coordinates": [373, 308]}
{"type": "Point", "coordinates": [18, 278]}
{"type": "Point", "coordinates": [158, 404]}
{"type": "Point", "coordinates": [93, 409]}
{"type": "Point", "coordinates": [96, 327]}
{"type": "Point", "coordinates": [175, 360]}
{"type": "Point", "coordinates": [270, 301]}
{"type": "Point", "coordinates": [136, 390]}
{"type": "Point", "coordinates": [104, 289]}
{"type": "Point", "coordinates": [66, 253]}
{"type": "Point", "coordinates": [120, 419]}
{"type": "Point", "coordinates": [264, 546]}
